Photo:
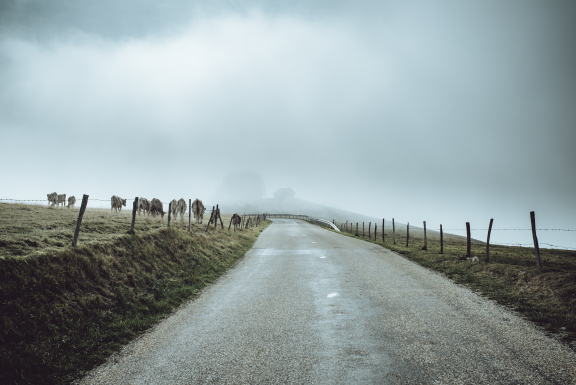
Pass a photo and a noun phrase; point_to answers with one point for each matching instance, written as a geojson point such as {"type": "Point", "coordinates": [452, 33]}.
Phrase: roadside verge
{"type": "Point", "coordinates": [545, 296]}
{"type": "Point", "coordinates": [62, 313]}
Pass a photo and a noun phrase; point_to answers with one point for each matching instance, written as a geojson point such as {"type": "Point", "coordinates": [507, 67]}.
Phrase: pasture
{"type": "Point", "coordinates": [37, 229]}
{"type": "Point", "coordinates": [65, 309]}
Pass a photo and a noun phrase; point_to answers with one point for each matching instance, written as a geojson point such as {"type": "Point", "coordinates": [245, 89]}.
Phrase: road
{"type": "Point", "coordinates": [309, 306]}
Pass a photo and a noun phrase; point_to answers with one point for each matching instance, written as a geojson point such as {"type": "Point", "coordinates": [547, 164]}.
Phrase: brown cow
{"type": "Point", "coordinates": [71, 201]}
{"type": "Point", "coordinates": [156, 208]}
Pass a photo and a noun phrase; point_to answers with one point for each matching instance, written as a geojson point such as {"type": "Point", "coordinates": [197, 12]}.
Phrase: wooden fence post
{"type": "Point", "coordinates": [189, 214]}
{"type": "Point", "coordinates": [535, 238]}
{"type": "Point", "coordinates": [369, 226]}
{"type": "Point", "coordinates": [210, 220]}
{"type": "Point", "coordinates": [362, 229]}
{"type": "Point", "coordinates": [375, 231]}
{"type": "Point", "coordinates": [134, 209]}
{"type": "Point", "coordinates": [356, 228]}
{"type": "Point", "coordinates": [468, 242]}
{"type": "Point", "coordinates": [79, 221]}
{"type": "Point", "coordinates": [393, 232]}
{"type": "Point", "coordinates": [488, 241]}
{"type": "Point", "coordinates": [383, 230]}
{"type": "Point", "coordinates": [169, 212]}
{"type": "Point", "coordinates": [425, 240]}
{"type": "Point", "coordinates": [441, 241]}
{"type": "Point", "coordinates": [407, 232]}
{"type": "Point", "coordinates": [219, 217]}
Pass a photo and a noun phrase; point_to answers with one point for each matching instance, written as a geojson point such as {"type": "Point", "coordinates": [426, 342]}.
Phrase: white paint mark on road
{"type": "Point", "coordinates": [332, 295]}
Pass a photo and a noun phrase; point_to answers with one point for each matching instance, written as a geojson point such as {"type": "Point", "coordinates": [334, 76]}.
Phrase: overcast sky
{"type": "Point", "coordinates": [444, 111]}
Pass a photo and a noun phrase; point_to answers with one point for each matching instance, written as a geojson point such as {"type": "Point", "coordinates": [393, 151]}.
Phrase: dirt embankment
{"type": "Point", "coordinates": [66, 310]}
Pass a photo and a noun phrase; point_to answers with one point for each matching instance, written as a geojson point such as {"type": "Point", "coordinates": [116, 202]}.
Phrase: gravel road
{"type": "Point", "coordinates": [309, 306]}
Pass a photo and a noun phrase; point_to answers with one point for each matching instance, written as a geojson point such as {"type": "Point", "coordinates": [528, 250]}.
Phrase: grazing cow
{"type": "Point", "coordinates": [236, 220]}
{"type": "Point", "coordinates": [143, 205]}
{"type": "Point", "coordinates": [117, 203]}
{"type": "Point", "coordinates": [198, 209]}
{"type": "Point", "coordinates": [71, 201]}
{"type": "Point", "coordinates": [172, 208]}
{"type": "Point", "coordinates": [61, 200]}
{"type": "Point", "coordinates": [52, 199]}
{"type": "Point", "coordinates": [181, 207]}
{"type": "Point", "coordinates": [156, 208]}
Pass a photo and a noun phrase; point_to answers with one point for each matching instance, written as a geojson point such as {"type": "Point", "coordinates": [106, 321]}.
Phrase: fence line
{"type": "Point", "coordinates": [322, 222]}
{"type": "Point", "coordinates": [251, 221]}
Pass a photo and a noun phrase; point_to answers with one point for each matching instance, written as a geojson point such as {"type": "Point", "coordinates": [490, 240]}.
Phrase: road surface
{"type": "Point", "coordinates": [309, 306]}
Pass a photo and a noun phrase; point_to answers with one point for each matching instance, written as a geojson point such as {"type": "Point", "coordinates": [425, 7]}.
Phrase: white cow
{"type": "Point", "coordinates": [143, 205]}
{"type": "Point", "coordinates": [52, 199]}
{"type": "Point", "coordinates": [173, 208]}
{"type": "Point", "coordinates": [117, 203]}
{"type": "Point", "coordinates": [181, 207]}
{"type": "Point", "coordinates": [61, 200]}
{"type": "Point", "coordinates": [198, 209]}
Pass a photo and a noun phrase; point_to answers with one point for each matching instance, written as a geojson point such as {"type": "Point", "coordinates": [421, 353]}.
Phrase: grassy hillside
{"type": "Point", "coordinates": [546, 296]}
{"type": "Point", "coordinates": [26, 229]}
{"type": "Point", "coordinates": [64, 310]}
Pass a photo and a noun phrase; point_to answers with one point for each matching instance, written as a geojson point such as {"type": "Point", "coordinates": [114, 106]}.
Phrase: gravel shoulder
{"type": "Point", "coordinates": [306, 305]}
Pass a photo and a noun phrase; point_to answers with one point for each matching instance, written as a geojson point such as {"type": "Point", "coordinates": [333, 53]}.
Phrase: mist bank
{"type": "Point", "coordinates": [297, 206]}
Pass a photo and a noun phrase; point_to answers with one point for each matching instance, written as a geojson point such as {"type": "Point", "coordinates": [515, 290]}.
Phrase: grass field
{"type": "Point", "coordinates": [26, 229]}
{"type": "Point", "coordinates": [545, 296]}
{"type": "Point", "coordinates": [64, 310]}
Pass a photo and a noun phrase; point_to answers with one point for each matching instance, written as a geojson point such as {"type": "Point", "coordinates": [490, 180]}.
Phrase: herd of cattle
{"type": "Point", "coordinates": [153, 207]}
{"type": "Point", "coordinates": [55, 199]}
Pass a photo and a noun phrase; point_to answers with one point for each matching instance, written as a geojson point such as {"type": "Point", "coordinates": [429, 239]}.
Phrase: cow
{"type": "Point", "coordinates": [143, 205]}
{"type": "Point", "coordinates": [181, 207]}
{"type": "Point", "coordinates": [71, 201]}
{"type": "Point", "coordinates": [156, 208]}
{"type": "Point", "coordinates": [61, 200]}
{"type": "Point", "coordinates": [117, 203]}
{"type": "Point", "coordinates": [236, 220]}
{"type": "Point", "coordinates": [198, 209]}
{"type": "Point", "coordinates": [52, 199]}
{"type": "Point", "coordinates": [173, 208]}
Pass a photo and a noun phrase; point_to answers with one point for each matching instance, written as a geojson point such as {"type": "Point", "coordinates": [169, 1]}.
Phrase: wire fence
{"type": "Point", "coordinates": [306, 217]}
{"type": "Point", "coordinates": [25, 231]}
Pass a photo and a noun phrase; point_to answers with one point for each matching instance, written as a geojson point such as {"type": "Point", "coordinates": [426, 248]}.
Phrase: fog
{"type": "Point", "coordinates": [444, 111]}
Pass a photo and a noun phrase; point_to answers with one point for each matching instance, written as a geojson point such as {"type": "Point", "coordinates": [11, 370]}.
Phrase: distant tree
{"type": "Point", "coordinates": [284, 193]}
